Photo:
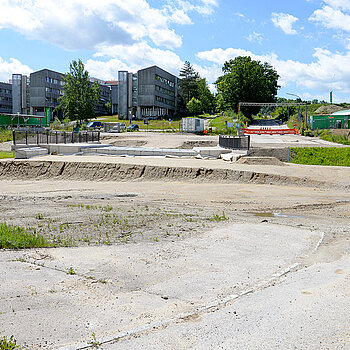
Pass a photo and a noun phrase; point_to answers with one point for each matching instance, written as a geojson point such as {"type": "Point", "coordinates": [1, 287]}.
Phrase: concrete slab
{"type": "Point", "coordinates": [309, 310]}
{"type": "Point", "coordinates": [29, 152]}
{"type": "Point", "coordinates": [120, 288]}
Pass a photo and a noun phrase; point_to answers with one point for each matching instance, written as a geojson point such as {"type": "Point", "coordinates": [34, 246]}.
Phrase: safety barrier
{"type": "Point", "coordinates": [44, 137]}
{"type": "Point", "coordinates": [234, 142]}
{"type": "Point", "coordinates": [270, 131]}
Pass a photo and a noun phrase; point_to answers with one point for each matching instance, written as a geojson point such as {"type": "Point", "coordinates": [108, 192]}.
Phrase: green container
{"type": "Point", "coordinates": [329, 122]}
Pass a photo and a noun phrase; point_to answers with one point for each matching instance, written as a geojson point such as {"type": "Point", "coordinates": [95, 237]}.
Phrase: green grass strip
{"type": "Point", "coordinates": [336, 138]}
{"type": "Point", "coordinates": [15, 237]}
{"type": "Point", "coordinates": [321, 156]}
{"type": "Point", "coordinates": [4, 155]}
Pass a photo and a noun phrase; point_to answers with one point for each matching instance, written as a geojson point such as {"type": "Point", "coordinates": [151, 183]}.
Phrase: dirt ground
{"type": "Point", "coordinates": [259, 259]}
{"type": "Point", "coordinates": [72, 213]}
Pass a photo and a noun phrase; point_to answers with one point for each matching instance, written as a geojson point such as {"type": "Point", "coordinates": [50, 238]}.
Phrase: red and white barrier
{"type": "Point", "coordinates": [270, 131]}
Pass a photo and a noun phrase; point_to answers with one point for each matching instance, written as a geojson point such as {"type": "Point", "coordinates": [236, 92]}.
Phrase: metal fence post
{"type": "Point", "coordinates": [14, 137]}
{"type": "Point", "coordinates": [26, 137]}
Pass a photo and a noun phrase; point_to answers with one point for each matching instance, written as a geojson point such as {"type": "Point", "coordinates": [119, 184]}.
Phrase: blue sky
{"type": "Point", "coordinates": [306, 41]}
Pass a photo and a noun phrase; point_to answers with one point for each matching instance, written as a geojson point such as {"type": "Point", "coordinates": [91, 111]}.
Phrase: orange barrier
{"type": "Point", "coordinates": [269, 131]}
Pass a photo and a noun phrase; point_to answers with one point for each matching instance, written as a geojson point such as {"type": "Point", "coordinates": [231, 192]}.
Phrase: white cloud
{"type": "Point", "coordinates": [12, 66]}
{"type": "Point", "coordinates": [83, 24]}
{"type": "Point", "coordinates": [329, 70]}
{"type": "Point", "coordinates": [332, 18]}
{"type": "Point", "coordinates": [132, 58]}
{"type": "Point", "coordinates": [78, 24]}
{"type": "Point", "coordinates": [255, 37]}
{"type": "Point", "coordinates": [284, 21]}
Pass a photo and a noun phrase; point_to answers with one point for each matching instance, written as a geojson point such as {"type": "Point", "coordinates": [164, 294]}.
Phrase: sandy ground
{"type": "Point", "coordinates": [170, 263]}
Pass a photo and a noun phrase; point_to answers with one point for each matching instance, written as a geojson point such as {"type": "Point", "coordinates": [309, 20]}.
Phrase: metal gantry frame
{"type": "Point", "coordinates": [273, 104]}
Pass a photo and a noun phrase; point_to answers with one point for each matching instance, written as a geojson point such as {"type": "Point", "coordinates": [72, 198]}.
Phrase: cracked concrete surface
{"type": "Point", "coordinates": [255, 281]}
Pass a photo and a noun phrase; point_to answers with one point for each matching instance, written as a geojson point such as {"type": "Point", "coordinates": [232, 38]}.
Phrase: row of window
{"type": "Point", "coordinates": [153, 112]}
{"type": "Point", "coordinates": [165, 91]}
{"type": "Point", "coordinates": [165, 81]}
{"type": "Point", "coordinates": [54, 81]}
{"type": "Point", "coordinates": [55, 91]}
{"type": "Point", "coordinates": [9, 108]}
{"type": "Point", "coordinates": [2, 98]}
{"type": "Point", "coordinates": [5, 91]}
{"type": "Point", "coordinates": [52, 100]}
{"type": "Point", "coordinates": [165, 100]}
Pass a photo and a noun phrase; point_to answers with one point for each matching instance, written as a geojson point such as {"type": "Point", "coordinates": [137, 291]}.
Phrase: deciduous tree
{"type": "Point", "coordinates": [246, 80]}
{"type": "Point", "coordinates": [79, 95]}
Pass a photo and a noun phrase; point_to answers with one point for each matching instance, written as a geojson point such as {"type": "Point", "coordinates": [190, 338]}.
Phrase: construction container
{"type": "Point", "coordinates": [23, 120]}
{"type": "Point", "coordinates": [194, 125]}
{"type": "Point", "coordinates": [329, 122]}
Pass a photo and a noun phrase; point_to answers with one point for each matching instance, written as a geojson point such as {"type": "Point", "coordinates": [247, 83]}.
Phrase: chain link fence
{"type": "Point", "coordinates": [45, 137]}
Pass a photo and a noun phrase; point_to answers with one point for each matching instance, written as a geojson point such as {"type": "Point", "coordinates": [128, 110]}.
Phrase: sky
{"type": "Point", "coordinates": [306, 41]}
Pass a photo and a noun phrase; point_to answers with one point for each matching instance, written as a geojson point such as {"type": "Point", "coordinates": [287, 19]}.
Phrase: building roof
{"type": "Point", "coordinates": [344, 112]}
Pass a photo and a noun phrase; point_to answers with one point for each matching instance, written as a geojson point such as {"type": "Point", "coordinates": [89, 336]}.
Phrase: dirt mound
{"type": "Point", "coordinates": [260, 161]}
{"type": "Point", "coordinates": [89, 171]}
{"type": "Point", "coordinates": [328, 109]}
{"type": "Point", "coordinates": [191, 144]}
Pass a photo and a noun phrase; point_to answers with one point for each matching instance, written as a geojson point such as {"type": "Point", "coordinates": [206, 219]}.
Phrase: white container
{"type": "Point", "coordinates": [192, 125]}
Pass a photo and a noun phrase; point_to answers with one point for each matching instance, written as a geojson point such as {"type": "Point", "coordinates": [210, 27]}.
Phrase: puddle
{"type": "Point", "coordinates": [270, 214]}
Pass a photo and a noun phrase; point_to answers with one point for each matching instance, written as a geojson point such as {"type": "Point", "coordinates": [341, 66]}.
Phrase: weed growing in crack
{"type": "Point", "coordinates": [218, 218]}
{"type": "Point", "coordinates": [94, 342]}
{"type": "Point", "coordinates": [39, 216]}
{"type": "Point", "coordinates": [9, 344]}
{"type": "Point", "coordinates": [71, 271]}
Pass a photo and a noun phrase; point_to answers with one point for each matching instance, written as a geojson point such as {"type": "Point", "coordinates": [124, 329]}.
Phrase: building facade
{"type": "Point", "coordinates": [150, 93]}
{"type": "Point", "coordinates": [5, 98]}
{"type": "Point", "coordinates": [46, 86]}
{"type": "Point", "coordinates": [157, 93]}
{"type": "Point", "coordinates": [20, 94]}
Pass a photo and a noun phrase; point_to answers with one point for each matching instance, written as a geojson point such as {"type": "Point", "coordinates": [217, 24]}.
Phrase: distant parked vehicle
{"type": "Point", "coordinates": [94, 125]}
{"type": "Point", "coordinates": [132, 127]}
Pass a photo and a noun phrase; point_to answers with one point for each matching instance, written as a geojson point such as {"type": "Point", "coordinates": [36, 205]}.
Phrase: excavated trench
{"type": "Point", "coordinates": [86, 171]}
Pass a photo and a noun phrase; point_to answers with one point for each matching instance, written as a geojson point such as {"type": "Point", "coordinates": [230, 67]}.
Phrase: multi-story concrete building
{"type": "Point", "coordinates": [151, 92]}
{"type": "Point", "coordinates": [5, 98]}
{"type": "Point", "coordinates": [105, 96]}
{"type": "Point", "coordinates": [45, 89]}
{"type": "Point", "coordinates": [113, 84]}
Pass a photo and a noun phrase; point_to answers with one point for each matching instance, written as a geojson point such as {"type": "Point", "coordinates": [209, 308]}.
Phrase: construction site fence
{"type": "Point", "coordinates": [270, 131]}
{"type": "Point", "coordinates": [234, 142]}
{"type": "Point", "coordinates": [42, 137]}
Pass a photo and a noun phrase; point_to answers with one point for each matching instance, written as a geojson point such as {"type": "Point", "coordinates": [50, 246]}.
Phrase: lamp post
{"type": "Point", "coordinates": [305, 117]}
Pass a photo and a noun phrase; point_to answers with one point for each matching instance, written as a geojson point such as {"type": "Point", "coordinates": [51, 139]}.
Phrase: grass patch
{"type": "Point", "coordinates": [5, 135]}
{"type": "Point", "coordinates": [8, 344]}
{"type": "Point", "coordinates": [219, 123]}
{"type": "Point", "coordinates": [321, 156]}
{"type": "Point", "coordinates": [153, 124]}
{"type": "Point", "coordinates": [15, 237]}
{"type": "Point", "coordinates": [336, 138]}
{"type": "Point", "coordinates": [4, 155]}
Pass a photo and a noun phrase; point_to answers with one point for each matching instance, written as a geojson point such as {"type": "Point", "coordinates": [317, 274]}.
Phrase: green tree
{"type": "Point", "coordinates": [194, 106]}
{"type": "Point", "coordinates": [246, 80]}
{"type": "Point", "coordinates": [188, 82]}
{"type": "Point", "coordinates": [205, 96]}
{"type": "Point", "coordinates": [79, 95]}
{"type": "Point", "coordinates": [108, 106]}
